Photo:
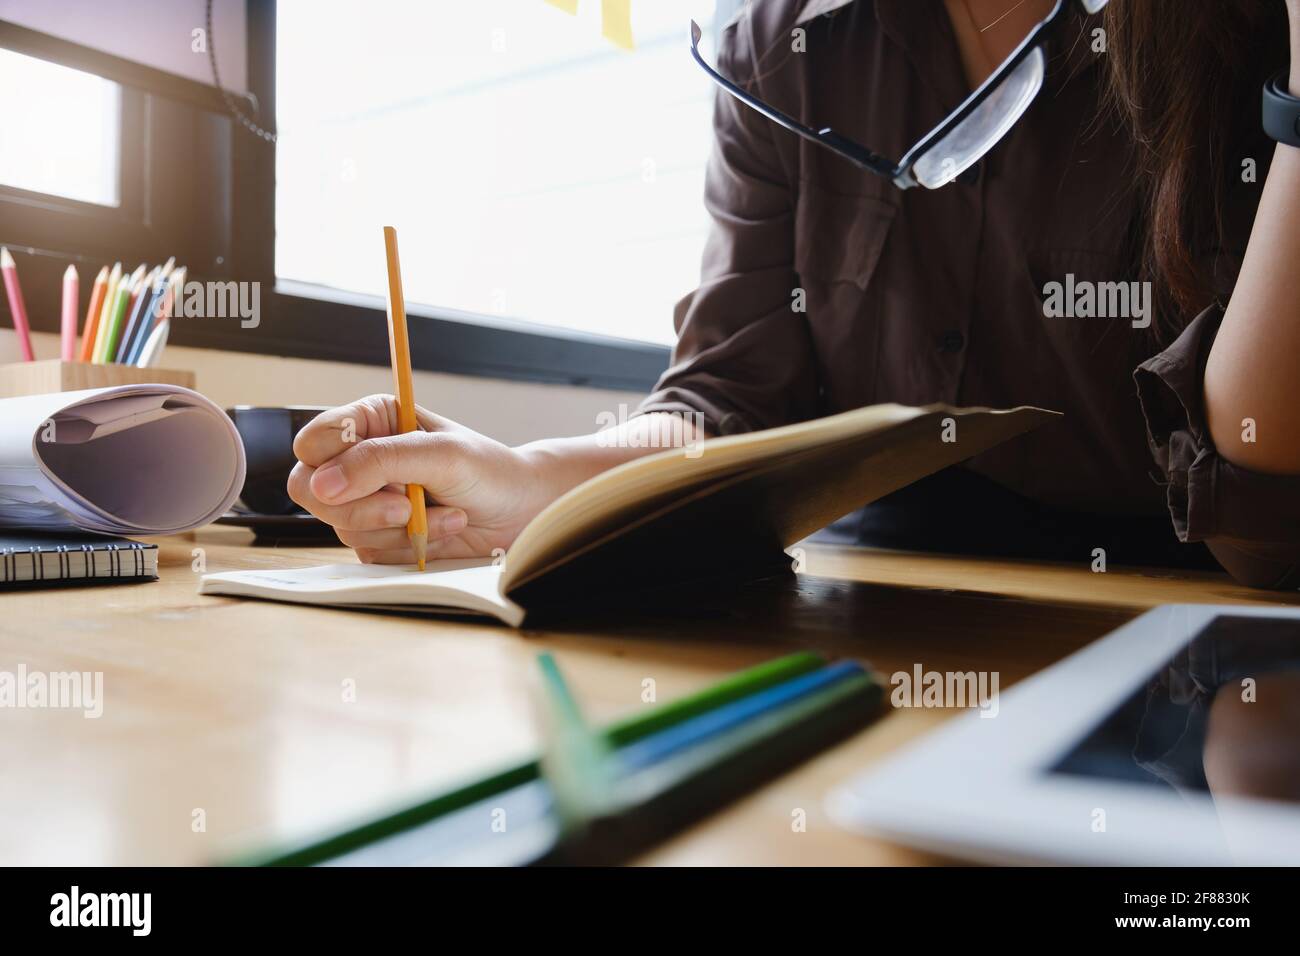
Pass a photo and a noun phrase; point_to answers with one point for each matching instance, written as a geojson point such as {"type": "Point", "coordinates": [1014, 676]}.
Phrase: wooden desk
{"type": "Point", "coordinates": [238, 708]}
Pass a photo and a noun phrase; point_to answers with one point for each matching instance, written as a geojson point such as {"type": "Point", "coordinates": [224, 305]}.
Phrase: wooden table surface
{"type": "Point", "coordinates": [270, 721]}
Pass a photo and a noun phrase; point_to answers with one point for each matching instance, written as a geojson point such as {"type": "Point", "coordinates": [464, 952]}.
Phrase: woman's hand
{"type": "Point", "coordinates": [353, 468]}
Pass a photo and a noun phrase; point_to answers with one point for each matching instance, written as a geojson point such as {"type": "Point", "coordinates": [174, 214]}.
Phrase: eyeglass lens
{"type": "Point", "coordinates": [989, 122]}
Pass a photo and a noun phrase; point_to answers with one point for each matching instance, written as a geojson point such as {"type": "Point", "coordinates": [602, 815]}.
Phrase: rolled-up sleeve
{"type": "Point", "coordinates": [1250, 520]}
{"type": "Point", "coordinates": [743, 358]}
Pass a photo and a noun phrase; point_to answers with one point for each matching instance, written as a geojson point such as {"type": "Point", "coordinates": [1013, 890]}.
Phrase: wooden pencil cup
{"type": "Point", "coordinates": [54, 375]}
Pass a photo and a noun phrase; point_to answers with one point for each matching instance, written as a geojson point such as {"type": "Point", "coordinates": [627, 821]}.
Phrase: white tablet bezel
{"type": "Point", "coordinates": [979, 788]}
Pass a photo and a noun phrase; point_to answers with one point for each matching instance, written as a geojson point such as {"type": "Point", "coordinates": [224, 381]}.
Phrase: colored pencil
{"type": "Point", "coordinates": [110, 300]}
{"type": "Point", "coordinates": [68, 319]}
{"type": "Point", "coordinates": [97, 292]}
{"type": "Point", "coordinates": [140, 301]}
{"type": "Point", "coordinates": [417, 528]}
{"type": "Point", "coordinates": [152, 350]}
{"type": "Point", "coordinates": [575, 760]}
{"type": "Point", "coordinates": [139, 333]}
{"type": "Point", "coordinates": [140, 327]}
{"type": "Point", "coordinates": [688, 775]}
{"type": "Point", "coordinates": [16, 306]}
{"type": "Point", "coordinates": [116, 309]}
{"type": "Point", "coordinates": [126, 293]}
{"type": "Point", "coordinates": [175, 289]}
{"type": "Point", "coordinates": [726, 765]}
{"type": "Point", "coordinates": [399, 820]}
{"type": "Point", "coordinates": [159, 311]}
{"type": "Point", "coordinates": [154, 339]}
{"type": "Point", "coordinates": [682, 736]}
{"type": "Point", "coordinates": [730, 688]}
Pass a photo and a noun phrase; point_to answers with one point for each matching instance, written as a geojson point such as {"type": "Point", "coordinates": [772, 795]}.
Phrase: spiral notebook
{"type": "Point", "coordinates": [31, 559]}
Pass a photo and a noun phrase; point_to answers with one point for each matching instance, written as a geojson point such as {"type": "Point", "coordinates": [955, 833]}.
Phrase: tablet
{"type": "Point", "coordinates": [1174, 740]}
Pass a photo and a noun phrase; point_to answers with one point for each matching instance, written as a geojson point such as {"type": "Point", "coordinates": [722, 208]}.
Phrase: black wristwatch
{"type": "Point", "coordinates": [1281, 111]}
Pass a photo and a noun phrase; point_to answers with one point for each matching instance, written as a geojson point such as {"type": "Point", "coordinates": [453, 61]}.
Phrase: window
{"type": "Point", "coordinates": [75, 119]}
{"type": "Point", "coordinates": [546, 183]}
{"type": "Point", "coordinates": [534, 170]}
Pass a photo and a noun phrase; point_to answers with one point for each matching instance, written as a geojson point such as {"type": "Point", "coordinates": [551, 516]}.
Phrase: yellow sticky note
{"type": "Point", "coordinates": [568, 6]}
{"type": "Point", "coordinates": [616, 22]}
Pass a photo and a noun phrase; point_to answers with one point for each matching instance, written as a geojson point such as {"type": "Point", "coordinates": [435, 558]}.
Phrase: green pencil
{"type": "Point", "coordinates": [117, 316]}
{"type": "Point", "coordinates": [396, 819]}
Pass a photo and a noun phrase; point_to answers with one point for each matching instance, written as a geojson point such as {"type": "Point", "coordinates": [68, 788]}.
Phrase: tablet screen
{"type": "Point", "coordinates": [1221, 717]}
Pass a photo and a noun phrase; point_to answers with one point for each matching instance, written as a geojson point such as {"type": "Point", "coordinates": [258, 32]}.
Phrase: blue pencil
{"type": "Point", "coordinates": [662, 745]}
{"type": "Point", "coordinates": [142, 324]}
{"type": "Point", "coordinates": [133, 319]}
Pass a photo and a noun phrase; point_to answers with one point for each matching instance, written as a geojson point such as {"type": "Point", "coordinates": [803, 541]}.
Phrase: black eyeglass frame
{"type": "Point", "coordinates": [899, 173]}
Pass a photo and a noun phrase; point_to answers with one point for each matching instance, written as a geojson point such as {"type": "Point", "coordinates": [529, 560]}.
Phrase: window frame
{"type": "Point", "coordinates": [297, 320]}
{"type": "Point", "coordinates": [169, 126]}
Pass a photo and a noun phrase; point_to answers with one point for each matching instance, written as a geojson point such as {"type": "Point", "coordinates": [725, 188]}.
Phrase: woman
{"type": "Point", "coordinates": [1140, 168]}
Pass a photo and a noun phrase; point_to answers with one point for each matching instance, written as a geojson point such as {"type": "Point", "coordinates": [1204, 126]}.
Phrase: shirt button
{"type": "Point", "coordinates": [951, 341]}
{"type": "Point", "coordinates": [971, 175]}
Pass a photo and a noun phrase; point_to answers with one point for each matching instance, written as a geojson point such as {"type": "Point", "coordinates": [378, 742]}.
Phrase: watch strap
{"type": "Point", "coordinates": [1281, 111]}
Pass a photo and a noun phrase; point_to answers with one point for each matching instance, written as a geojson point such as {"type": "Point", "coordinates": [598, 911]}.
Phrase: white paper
{"type": "Point", "coordinates": [126, 460]}
{"type": "Point", "coordinates": [471, 584]}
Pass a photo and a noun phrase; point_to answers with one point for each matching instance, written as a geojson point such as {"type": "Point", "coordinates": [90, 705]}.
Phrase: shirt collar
{"type": "Point", "coordinates": [818, 8]}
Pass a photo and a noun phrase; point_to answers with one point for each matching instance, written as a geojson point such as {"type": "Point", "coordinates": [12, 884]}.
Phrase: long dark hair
{"type": "Point", "coordinates": [1185, 77]}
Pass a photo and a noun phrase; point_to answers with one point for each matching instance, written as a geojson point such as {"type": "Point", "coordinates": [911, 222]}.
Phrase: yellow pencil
{"type": "Point", "coordinates": [110, 299]}
{"type": "Point", "coordinates": [128, 289]}
{"type": "Point", "coordinates": [417, 529]}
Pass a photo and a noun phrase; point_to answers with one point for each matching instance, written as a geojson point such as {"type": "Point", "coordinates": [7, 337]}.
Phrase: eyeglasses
{"type": "Point", "coordinates": [970, 131]}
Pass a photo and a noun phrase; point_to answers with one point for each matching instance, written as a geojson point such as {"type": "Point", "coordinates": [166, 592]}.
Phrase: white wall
{"type": "Point", "coordinates": [512, 412]}
{"type": "Point", "coordinates": [154, 32]}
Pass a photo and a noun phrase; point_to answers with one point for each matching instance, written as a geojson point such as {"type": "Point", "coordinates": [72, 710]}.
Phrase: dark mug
{"type": "Point", "coordinates": [268, 435]}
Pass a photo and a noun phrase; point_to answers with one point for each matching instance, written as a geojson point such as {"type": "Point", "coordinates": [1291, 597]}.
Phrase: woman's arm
{"type": "Point", "coordinates": [1251, 369]}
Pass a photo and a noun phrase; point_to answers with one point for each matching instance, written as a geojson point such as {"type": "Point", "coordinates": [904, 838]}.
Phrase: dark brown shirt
{"type": "Point", "coordinates": [923, 296]}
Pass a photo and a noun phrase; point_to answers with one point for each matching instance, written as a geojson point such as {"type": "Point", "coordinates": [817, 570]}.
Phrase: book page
{"type": "Point", "coordinates": [467, 585]}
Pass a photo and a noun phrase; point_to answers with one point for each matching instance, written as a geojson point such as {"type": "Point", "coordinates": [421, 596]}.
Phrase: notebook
{"type": "Point", "coordinates": [724, 509]}
{"type": "Point", "coordinates": [55, 558]}
{"type": "Point", "coordinates": [125, 460]}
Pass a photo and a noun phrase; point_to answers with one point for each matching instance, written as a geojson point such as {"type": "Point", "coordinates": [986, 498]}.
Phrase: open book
{"type": "Point", "coordinates": [726, 508]}
{"type": "Point", "coordinates": [124, 460]}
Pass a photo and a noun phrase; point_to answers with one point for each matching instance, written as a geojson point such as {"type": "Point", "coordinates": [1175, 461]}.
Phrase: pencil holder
{"type": "Point", "coordinates": [53, 375]}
